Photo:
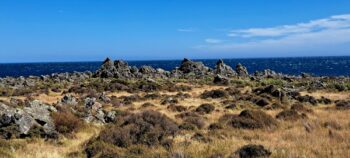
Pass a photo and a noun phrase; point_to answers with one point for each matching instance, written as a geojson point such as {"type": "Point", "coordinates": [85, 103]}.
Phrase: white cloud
{"type": "Point", "coordinates": [185, 30]}
{"type": "Point", "coordinates": [213, 41]}
{"type": "Point", "coordinates": [334, 22]}
{"type": "Point", "coordinates": [330, 35]}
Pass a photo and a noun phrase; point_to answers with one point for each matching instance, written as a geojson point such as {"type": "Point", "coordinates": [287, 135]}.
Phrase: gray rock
{"type": "Point", "coordinates": [241, 70]}
{"type": "Point", "coordinates": [222, 69]}
{"type": "Point", "coordinates": [91, 104]}
{"type": "Point", "coordinates": [110, 116]}
{"type": "Point", "coordinates": [147, 70]}
{"type": "Point", "coordinates": [197, 68]}
{"type": "Point", "coordinates": [69, 99]}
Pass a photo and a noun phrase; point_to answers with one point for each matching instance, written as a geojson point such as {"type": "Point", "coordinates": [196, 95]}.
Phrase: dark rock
{"type": "Point", "coordinates": [220, 80]}
{"type": "Point", "coordinates": [262, 102]}
{"type": "Point", "coordinates": [118, 68]}
{"type": "Point", "coordinates": [307, 98]}
{"type": "Point", "coordinates": [197, 68]}
{"type": "Point", "coordinates": [214, 94]}
{"type": "Point", "coordinates": [324, 100]}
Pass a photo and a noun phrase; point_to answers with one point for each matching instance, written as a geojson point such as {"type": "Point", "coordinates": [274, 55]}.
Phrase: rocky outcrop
{"type": "Point", "coordinates": [118, 68]}
{"type": "Point", "coordinates": [191, 67]}
{"type": "Point", "coordinates": [222, 69]}
{"type": "Point", "coordinates": [241, 70]}
{"type": "Point", "coordinates": [23, 121]}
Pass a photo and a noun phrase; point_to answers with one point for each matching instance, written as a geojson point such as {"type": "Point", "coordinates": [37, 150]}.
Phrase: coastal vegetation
{"type": "Point", "coordinates": [191, 111]}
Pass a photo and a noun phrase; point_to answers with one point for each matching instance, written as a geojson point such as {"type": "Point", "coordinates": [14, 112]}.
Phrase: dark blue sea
{"type": "Point", "coordinates": [319, 66]}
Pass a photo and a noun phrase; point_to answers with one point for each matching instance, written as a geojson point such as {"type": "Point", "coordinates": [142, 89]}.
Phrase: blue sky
{"type": "Point", "coordinates": [90, 30]}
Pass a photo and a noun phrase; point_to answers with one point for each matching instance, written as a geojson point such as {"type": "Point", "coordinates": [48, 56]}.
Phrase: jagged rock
{"type": "Point", "coordinates": [222, 69]}
{"type": "Point", "coordinates": [36, 114]}
{"type": "Point", "coordinates": [176, 73]}
{"type": "Point", "coordinates": [197, 68]}
{"type": "Point", "coordinates": [122, 69]}
{"type": "Point", "coordinates": [118, 68]}
{"type": "Point", "coordinates": [91, 104]}
{"type": "Point", "coordinates": [221, 80]}
{"type": "Point", "coordinates": [241, 70]}
{"type": "Point", "coordinates": [266, 73]}
{"type": "Point", "coordinates": [147, 70]}
{"type": "Point", "coordinates": [100, 116]}
{"type": "Point", "coordinates": [134, 70]}
{"type": "Point", "coordinates": [110, 116]}
{"type": "Point", "coordinates": [274, 91]}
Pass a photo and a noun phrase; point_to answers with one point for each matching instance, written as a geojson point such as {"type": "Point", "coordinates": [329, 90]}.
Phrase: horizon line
{"type": "Point", "coordinates": [177, 59]}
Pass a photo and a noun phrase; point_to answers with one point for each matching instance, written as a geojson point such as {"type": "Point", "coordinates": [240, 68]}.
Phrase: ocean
{"type": "Point", "coordinates": [318, 66]}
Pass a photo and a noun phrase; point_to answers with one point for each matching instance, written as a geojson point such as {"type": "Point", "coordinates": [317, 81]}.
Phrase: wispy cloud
{"type": "Point", "coordinates": [334, 22]}
{"type": "Point", "coordinates": [185, 30]}
{"type": "Point", "coordinates": [213, 41]}
{"type": "Point", "coordinates": [329, 34]}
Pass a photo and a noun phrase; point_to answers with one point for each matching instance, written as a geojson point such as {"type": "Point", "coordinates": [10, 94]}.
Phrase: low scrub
{"type": "Point", "coordinates": [147, 128]}
{"type": "Point", "coordinates": [66, 122]}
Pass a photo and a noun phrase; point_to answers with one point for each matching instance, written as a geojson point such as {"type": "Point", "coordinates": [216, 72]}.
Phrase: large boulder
{"type": "Point", "coordinates": [222, 69]}
{"type": "Point", "coordinates": [23, 121]}
{"type": "Point", "coordinates": [118, 68]}
{"type": "Point", "coordinates": [197, 68]}
{"type": "Point", "coordinates": [241, 70]}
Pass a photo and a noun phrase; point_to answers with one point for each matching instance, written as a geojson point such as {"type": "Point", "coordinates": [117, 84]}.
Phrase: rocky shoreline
{"type": "Point", "coordinates": [47, 106]}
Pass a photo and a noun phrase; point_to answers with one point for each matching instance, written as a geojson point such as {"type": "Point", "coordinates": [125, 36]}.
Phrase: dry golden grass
{"type": "Point", "coordinates": [39, 148]}
{"type": "Point", "coordinates": [330, 95]}
{"type": "Point", "coordinates": [300, 139]}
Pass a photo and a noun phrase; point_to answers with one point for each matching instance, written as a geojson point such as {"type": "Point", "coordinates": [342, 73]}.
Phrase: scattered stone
{"type": "Point", "coordinates": [69, 99]}
{"type": "Point", "coordinates": [220, 80]}
{"type": "Point", "coordinates": [262, 102]}
{"type": "Point", "coordinates": [91, 104]}
{"type": "Point", "coordinates": [214, 94]}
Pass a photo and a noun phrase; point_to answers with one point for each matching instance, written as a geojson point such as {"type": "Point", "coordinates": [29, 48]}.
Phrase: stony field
{"type": "Point", "coordinates": [121, 111]}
